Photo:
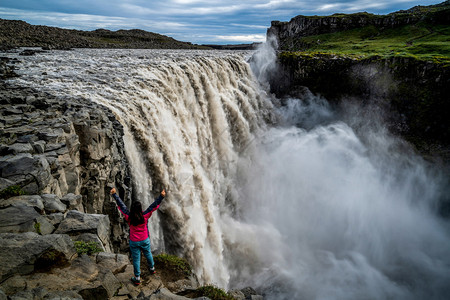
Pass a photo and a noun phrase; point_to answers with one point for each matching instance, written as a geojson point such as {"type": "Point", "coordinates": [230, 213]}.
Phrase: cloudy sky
{"type": "Point", "coordinates": [196, 21]}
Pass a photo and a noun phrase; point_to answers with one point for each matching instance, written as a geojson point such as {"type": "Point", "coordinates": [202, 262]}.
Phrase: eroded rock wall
{"type": "Point", "coordinates": [414, 92]}
{"type": "Point", "coordinates": [69, 148]}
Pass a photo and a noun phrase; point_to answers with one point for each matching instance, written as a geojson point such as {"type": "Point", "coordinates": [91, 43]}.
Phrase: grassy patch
{"type": "Point", "coordinates": [422, 41]}
{"type": "Point", "coordinates": [11, 191]}
{"type": "Point", "coordinates": [174, 264]}
{"type": "Point", "coordinates": [210, 291]}
{"type": "Point", "coordinates": [88, 248]}
{"type": "Point", "coordinates": [37, 227]}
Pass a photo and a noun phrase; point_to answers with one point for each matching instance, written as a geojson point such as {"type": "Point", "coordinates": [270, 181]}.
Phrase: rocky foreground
{"type": "Point", "coordinates": [59, 158]}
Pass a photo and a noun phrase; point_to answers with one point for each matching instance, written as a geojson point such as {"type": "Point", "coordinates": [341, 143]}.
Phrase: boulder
{"type": "Point", "coordinates": [28, 252]}
{"type": "Point", "coordinates": [39, 146]}
{"type": "Point", "coordinates": [63, 295]}
{"type": "Point", "coordinates": [248, 292]}
{"type": "Point", "coordinates": [83, 267]}
{"type": "Point", "coordinates": [236, 294]}
{"type": "Point", "coordinates": [34, 201]}
{"type": "Point", "coordinates": [18, 218]}
{"type": "Point", "coordinates": [165, 294]}
{"type": "Point", "coordinates": [55, 219]}
{"type": "Point", "coordinates": [77, 223]}
{"type": "Point", "coordinates": [52, 204]}
{"type": "Point", "coordinates": [20, 148]}
{"type": "Point", "coordinates": [43, 226]}
{"type": "Point", "coordinates": [116, 263]}
{"type": "Point", "coordinates": [31, 172]}
{"type": "Point", "coordinates": [109, 282]}
{"type": "Point", "coordinates": [73, 202]}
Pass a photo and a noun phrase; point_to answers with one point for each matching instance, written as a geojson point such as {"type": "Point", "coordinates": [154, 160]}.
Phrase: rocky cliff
{"type": "Point", "coordinates": [414, 93]}
{"type": "Point", "coordinates": [399, 62]}
{"type": "Point", "coordinates": [289, 34]}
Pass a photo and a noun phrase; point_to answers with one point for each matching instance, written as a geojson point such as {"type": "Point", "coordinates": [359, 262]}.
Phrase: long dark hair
{"type": "Point", "coordinates": [136, 216]}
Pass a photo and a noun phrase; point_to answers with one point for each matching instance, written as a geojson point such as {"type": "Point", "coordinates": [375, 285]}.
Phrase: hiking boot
{"type": "Point", "coordinates": [152, 271]}
{"type": "Point", "coordinates": [135, 281]}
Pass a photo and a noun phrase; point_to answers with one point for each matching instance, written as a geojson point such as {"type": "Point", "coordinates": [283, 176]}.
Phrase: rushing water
{"type": "Point", "coordinates": [297, 200]}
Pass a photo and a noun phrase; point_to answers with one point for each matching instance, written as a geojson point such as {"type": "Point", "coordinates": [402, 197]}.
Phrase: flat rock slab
{"type": "Point", "coordinates": [17, 219]}
{"type": "Point", "coordinates": [27, 252]}
{"type": "Point", "coordinates": [77, 223]}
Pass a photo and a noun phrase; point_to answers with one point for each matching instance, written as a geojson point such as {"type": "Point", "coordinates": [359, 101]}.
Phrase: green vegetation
{"type": "Point", "coordinates": [88, 248]}
{"type": "Point", "coordinates": [173, 264]}
{"type": "Point", "coordinates": [421, 41]}
{"type": "Point", "coordinates": [37, 227]}
{"type": "Point", "coordinates": [11, 191]}
{"type": "Point", "coordinates": [212, 292]}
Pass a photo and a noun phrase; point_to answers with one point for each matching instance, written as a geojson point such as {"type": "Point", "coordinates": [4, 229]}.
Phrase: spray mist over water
{"type": "Point", "coordinates": [321, 206]}
{"type": "Point", "coordinates": [329, 220]}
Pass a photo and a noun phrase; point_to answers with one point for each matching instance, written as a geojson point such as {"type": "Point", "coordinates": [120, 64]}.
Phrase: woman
{"type": "Point", "coordinates": [139, 236]}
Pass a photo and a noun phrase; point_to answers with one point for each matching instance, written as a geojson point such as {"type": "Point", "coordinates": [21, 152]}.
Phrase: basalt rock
{"type": "Point", "coordinates": [414, 93]}
{"type": "Point", "coordinates": [77, 223]}
{"type": "Point", "coordinates": [29, 252]}
{"type": "Point", "coordinates": [69, 148]}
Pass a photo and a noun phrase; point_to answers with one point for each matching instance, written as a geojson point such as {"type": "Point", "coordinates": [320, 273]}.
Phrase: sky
{"type": "Point", "coordinates": [195, 21]}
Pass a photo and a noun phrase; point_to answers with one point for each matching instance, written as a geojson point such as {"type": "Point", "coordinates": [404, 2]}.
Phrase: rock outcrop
{"type": "Point", "coordinates": [68, 151]}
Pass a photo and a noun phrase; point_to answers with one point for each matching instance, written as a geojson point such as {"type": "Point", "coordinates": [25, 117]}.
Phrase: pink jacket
{"type": "Point", "coordinates": [140, 232]}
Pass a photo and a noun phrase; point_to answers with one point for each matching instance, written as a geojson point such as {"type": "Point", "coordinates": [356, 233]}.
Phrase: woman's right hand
{"type": "Point", "coordinates": [113, 191]}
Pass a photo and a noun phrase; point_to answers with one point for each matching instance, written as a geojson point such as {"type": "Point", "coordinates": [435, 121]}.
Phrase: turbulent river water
{"type": "Point", "coordinates": [297, 200]}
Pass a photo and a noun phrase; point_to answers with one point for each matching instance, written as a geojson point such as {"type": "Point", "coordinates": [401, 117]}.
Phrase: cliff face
{"type": "Point", "coordinates": [396, 60]}
{"type": "Point", "coordinates": [69, 149]}
{"type": "Point", "coordinates": [288, 33]}
{"type": "Point", "coordinates": [414, 92]}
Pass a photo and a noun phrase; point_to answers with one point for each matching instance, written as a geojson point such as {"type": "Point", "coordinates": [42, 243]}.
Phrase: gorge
{"type": "Point", "coordinates": [301, 176]}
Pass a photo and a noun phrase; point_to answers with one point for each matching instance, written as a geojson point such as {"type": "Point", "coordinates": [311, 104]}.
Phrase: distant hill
{"type": "Point", "coordinates": [252, 46]}
{"type": "Point", "coordinates": [15, 33]}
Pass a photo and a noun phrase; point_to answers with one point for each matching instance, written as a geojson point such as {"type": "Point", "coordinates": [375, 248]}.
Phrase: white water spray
{"type": "Point", "coordinates": [304, 210]}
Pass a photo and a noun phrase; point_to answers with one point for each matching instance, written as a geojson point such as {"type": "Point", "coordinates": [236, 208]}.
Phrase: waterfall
{"type": "Point", "coordinates": [186, 116]}
{"type": "Point", "coordinates": [297, 200]}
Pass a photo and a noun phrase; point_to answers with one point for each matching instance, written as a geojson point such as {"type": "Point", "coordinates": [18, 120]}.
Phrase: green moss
{"type": "Point", "coordinates": [212, 292]}
{"type": "Point", "coordinates": [88, 248]}
{"type": "Point", "coordinates": [11, 191]}
{"type": "Point", "coordinates": [37, 227]}
{"type": "Point", "coordinates": [423, 41]}
{"type": "Point", "coordinates": [173, 264]}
